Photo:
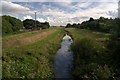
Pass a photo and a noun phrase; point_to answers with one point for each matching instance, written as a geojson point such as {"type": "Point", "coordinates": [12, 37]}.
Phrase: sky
{"type": "Point", "coordinates": [60, 12]}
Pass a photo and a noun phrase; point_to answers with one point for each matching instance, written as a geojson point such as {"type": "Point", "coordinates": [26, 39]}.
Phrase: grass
{"type": "Point", "coordinates": [25, 38]}
{"type": "Point", "coordinates": [95, 32]}
{"type": "Point", "coordinates": [34, 60]}
{"type": "Point", "coordinates": [91, 56]}
{"type": "Point", "coordinates": [78, 34]}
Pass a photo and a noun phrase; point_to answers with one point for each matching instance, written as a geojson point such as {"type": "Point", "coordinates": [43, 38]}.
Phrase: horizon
{"type": "Point", "coordinates": [60, 13]}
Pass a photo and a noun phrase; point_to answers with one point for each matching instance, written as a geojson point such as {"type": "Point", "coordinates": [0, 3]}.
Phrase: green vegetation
{"type": "Point", "coordinates": [105, 57]}
{"type": "Point", "coordinates": [114, 46]}
{"type": "Point", "coordinates": [25, 38]}
{"type": "Point", "coordinates": [34, 60]}
{"type": "Point", "coordinates": [29, 23]}
{"type": "Point", "coordinates": [102, 24]}
{"type": "Point", "coordinates": [10, 24]}
{"type": "Point", "coordinates": [30, 54]}
{"type": "Point", "coordinates": [91, 56]}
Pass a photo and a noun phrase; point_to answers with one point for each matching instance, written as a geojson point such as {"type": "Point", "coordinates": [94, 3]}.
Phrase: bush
{"type": "Point", "coordinates": [114, 43]}
{"type": "Point", "coordinates": [10, 24]}
{"type": "Point", "coordinates": [29, 23]}
{"type": "Point", "coordinates": [85, 49]}
{"type": "Point", "coordinates": [103, 72]}
{"type": "Point", "coordinates": [89, 60]}
{"type": "Point", "coordinates": [114, 46]}
{"type": "Point", "coordinates": [6, 26]}
{"type": "Point", "coordinates": [93, 71]}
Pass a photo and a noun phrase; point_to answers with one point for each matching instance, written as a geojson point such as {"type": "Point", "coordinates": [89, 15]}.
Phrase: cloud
{"type": "Point", "coordinates": [61, 13]}
{"type": "Point", "coordinates": [30, 17]}
{"type": "Point", "coordinates": [75, 19]}
{"type": "Point", "coordinates": [41, 20]}
{"type": "Point", "coordinates": [97, 10]}
{"type": "Point", "coordinates": [27, 17]}
{"type": "Point", "coordinates": [62, 0]}
{"type": "Point", "coordinates": [14, 9]}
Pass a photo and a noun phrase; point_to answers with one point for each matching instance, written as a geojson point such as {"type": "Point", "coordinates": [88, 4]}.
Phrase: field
{"type": "Point", "coordinates": [80, 33]}
{"type": "Point", "coordinates": [31, 54]}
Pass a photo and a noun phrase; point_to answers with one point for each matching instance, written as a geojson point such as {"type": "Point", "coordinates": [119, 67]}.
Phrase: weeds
{"type": "Point", "coordinates": [33, 60]}
{"type": "Point", "coordinates": [90, 56]}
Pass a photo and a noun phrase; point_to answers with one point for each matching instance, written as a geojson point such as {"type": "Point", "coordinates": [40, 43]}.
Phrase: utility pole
{"type": "Point", "coordinates": [35, 20]}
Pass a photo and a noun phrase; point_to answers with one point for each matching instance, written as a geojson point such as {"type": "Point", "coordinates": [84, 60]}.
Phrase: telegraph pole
{"type": "Point", "coordinates": [35, 20]}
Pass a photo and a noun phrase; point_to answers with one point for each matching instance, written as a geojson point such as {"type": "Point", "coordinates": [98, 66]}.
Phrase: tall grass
{"type": "Point", "coordinates": [84, 49]}
{"type": "Point", "coordinates": [25, 38]}
{"type": "Point", "coordinates": [33, 60]}
{"type": "Point", "coordinates": [90, 55]}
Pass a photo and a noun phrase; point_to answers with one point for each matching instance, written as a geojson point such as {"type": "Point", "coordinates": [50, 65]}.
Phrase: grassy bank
{"type": "Point", "coordinates": [25, 38]}
{"type": "Point", "coordinates": [91, 57]}
{"type": "Point", "coordinates": [33, 60]}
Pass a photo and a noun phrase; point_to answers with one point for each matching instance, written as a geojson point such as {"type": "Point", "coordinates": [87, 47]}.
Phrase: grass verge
{"type": "Point", "coordinates": [25, 38]}
{"type": "Point", "coordinates": [33, 60]}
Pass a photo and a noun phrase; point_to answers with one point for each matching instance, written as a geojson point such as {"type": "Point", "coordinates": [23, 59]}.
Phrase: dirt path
{"type": "Point", "coordinates": [24, 40]}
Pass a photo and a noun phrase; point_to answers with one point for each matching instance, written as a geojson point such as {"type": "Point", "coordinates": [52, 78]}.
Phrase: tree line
{"type": "Point", "coordinates": [102, 24]}
{"type": "Point", "coordinates": [12, 24]}
{"type": "Point", "coordinates": [28, 23]}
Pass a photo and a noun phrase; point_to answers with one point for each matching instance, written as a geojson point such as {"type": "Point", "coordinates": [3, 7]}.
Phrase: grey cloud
{"type": "Point", "coordinates": [14, 9]}
{"type": "Point", "coordinates": [62, 0]}
{"type": "Point", "coordinates": [114, 14]}
{"type": "Point", "coordinates": [76, 19]}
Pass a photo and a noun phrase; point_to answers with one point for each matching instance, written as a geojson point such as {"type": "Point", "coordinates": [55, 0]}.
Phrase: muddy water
{"type": "Point", "coordinates": [63, 59]}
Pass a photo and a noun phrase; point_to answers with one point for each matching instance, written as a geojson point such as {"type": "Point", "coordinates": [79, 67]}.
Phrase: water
{"type": "Point", "coordinates": [63, 59]}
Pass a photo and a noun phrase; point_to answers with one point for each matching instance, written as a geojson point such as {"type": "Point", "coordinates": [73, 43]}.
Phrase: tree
{"type": "Point", "coordinates": [28, 23]}
{"type": "Point", "coordinates": [45, 25]}
{"type": "Point", "coordinates": [74, 25]}
{"type": "Point", "coordinates": [91, 19]}
{"type": "Point", "coordinates": [68, 25]}
{"type": "Point", "coordinates": [6, 26]}
{"type": "Point", "coordinates": [11, 24]}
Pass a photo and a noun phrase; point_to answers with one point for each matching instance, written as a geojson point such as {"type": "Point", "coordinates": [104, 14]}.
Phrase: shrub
{"type": "Point", "coordinates": [89, 59]}
{"type": "Point", "coordinates": [103, 72]}
{"type": "Point", "coordinates": [85, 49]}
{"type": "Point", "coordinates": [6, 26]}
{"type": "Point", "coordinates": [10, 24]}
{"type": "Point", "coordinates": [114, 46]}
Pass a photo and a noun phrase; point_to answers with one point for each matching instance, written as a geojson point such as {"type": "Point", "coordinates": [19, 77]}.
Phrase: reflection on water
{"type": "Point", "coordinates": [63, 59]}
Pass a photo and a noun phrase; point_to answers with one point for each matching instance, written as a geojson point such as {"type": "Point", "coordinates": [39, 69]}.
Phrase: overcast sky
{"type": "Point", "coordinates": [60, 13]}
